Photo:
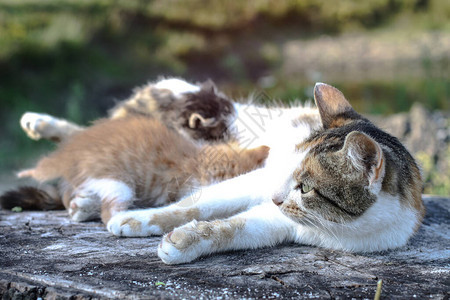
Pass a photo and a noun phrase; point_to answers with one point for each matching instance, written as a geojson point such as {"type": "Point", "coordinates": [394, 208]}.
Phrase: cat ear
{"type": "Point", "coordinates": [366, 155]}
{"type": "Point", "coordinates": [196, 119]}
{"type": "Point", "coordinates": [163, 97]}
{"type": "Point", "coordinates": [330, 102]}
{"type": "Point", "coordinates": [209, 86]}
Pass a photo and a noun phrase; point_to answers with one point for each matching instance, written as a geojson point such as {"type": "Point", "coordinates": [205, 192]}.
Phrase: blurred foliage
{"type": "Point", "coordinates": [376, 97]}
{"type": "Point", "coordinates": [436, 179]}
{"type": "Point", "coordinates": [76, 58]}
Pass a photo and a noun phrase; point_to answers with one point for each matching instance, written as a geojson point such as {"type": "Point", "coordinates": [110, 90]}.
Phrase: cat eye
{"type": "Point", "coordinates": [305, 188]}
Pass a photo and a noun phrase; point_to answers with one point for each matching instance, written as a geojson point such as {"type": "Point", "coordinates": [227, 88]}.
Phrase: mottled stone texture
{"type": "Point", "coordinates": [44, 254]}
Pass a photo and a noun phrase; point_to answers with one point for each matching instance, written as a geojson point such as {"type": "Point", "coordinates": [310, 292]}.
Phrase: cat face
{"type": "Point", "coordinates": [204, 114]}
{"type": "Point", "coordinates": [207, 113]}
{"type": "Point", "coordinates": [346, 167]}
{"type": "Point", "coordinates": [338, 179]}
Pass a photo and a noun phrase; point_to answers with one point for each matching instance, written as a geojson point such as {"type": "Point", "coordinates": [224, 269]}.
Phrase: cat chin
{"type": "Point", "coordinates": [387, 224]}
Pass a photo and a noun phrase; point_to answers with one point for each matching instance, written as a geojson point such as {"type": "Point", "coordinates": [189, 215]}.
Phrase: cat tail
{"type": "Point", "coordinates": [32, 198]}
{"type": "Point", "coordinates": [46, 197]}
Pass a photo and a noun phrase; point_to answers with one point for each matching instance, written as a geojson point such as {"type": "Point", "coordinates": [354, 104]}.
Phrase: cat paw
{"type": "Point", "coordinates": [84, 208]}
{"type": "Point", "coordinates": [133, 224]}
{"type": "Point", "coordinates": [26, 173]}
{"type": "Point", "coordinates": [182, 245]}
{"type": "Point", "coordinates": [37, 125]}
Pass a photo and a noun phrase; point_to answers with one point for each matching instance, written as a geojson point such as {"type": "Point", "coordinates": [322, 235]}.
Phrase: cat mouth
{"type": "Point", "coordinates": [310, 220]}
{"type": "Point", "coordinates": [300, 216]}
{"type": "Point", "coordinates": [307, 217]}
{"type": "Point", "coordinates": [293, 211]}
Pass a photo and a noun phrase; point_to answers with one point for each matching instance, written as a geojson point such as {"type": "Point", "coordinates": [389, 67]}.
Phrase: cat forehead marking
{"type": "Point", "coordinates": [320, 140]}
{"type": "Point", "coordinates": [339, 122]}
{"type": "Point", "coordinates": [177, 86]}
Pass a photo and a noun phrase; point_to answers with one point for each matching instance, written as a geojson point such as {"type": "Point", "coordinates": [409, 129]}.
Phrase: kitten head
{"type": "Point", "coordinates": [199, 112]}
{"type": "Point", "coordinates": [207, 113]}
{"type": "Point", "coordinates": [202, 114]}
{"type": "Point", "coordinates": [352, 176]}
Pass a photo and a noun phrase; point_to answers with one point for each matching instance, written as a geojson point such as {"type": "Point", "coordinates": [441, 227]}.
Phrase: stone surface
{"type": "Point", "coordinates": [427, 136]}
{"type": "Point", "coordinates": [45, 255]}
{"type": "Point", "coordinates": [419, 129]}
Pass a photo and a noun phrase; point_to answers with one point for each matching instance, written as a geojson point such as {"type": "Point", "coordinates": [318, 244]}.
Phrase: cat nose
{"type": "Point", "coordinates": [277, 200]}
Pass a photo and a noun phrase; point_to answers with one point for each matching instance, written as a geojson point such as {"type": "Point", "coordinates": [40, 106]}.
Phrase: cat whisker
{"type": "Point", "coordinates": [327, 228]}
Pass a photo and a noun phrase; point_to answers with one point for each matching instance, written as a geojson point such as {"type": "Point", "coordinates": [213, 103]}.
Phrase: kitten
{"type": "Point", "coordinates": [136, 162]}
{"type": "Point", "coordinates": [332, 179]}
{"type": "Point", "coordinates": [199, 112]}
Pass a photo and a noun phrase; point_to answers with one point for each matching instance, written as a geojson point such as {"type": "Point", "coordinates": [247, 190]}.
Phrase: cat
{"type": "Point", "coordinates": [136, 161]}
{"type": "Point", "coordinates": [199, 112]}
{"type": "Point", "coordinates": [332, 179]}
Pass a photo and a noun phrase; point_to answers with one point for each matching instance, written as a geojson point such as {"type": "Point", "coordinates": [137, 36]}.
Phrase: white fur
{"type": "Point", "coordinates": [169, 254]}
{"type": "Point", "coordinates": [102, 190]}
{"type": "Point", "coordinates": [264, 225]}
{"type": "Point", "coordinates": [108, 189]}
{"type": "Point", "coordinates": [386, 224]}
{"type": "Point", "coordinates": [177, 86]}
{"type": "Point", "coordinates": [118, 227]}
{"type": "Point", "coordinates": [232, 196]}
{"type": "Point", "coordinates": [39, 126]}
{"type": "Point", "coordinates": [84, 208]}
{"type": "Point", "coordinates": [258, 125]}
{"type": "Point", "coordinates": [355, 157]}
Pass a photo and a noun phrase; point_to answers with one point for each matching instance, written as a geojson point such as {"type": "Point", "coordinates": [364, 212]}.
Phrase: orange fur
{"type": "Point", "coordinates": [148, 157]}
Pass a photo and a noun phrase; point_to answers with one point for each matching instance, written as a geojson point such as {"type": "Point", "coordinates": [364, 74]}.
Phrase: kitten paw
{"type": "Point", "coordinates": [183, 245]}
{"type": "Point", "coordinates": [25, 173]}
{"type": "Point", "coordinates": [37, 126]}
{"type": "Point", "coordinates": [84, 208]}
{"type": "Point", "coordinates": [133, 224]}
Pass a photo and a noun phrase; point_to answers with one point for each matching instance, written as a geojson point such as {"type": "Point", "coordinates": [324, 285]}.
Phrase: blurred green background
{"type": "Point", "coordinates": [76, 58]}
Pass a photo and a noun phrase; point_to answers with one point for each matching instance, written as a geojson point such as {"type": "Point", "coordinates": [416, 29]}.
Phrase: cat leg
{"type": "Point", "coordinates": [261, 226]}
{"type": "Point", "coordinates": [44, 126]}
{"type": "Point", "coordinates": [216, 201]}
{"type": "Point", "coordinates": [113, 196]}
{"type": "Point", "coordinates": [81, 206]}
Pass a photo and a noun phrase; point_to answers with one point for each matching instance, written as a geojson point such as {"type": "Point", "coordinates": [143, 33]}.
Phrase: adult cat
{"type": "Point", "coordinates": [332, 179]}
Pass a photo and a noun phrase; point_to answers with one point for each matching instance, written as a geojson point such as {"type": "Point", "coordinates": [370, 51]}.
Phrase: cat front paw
{"type": "Point", "coordinates": [133, 224]}
{"type": "Point", "coordinates": [182, 245]}
{"type": "Point", "coordinates": [36, 125]}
